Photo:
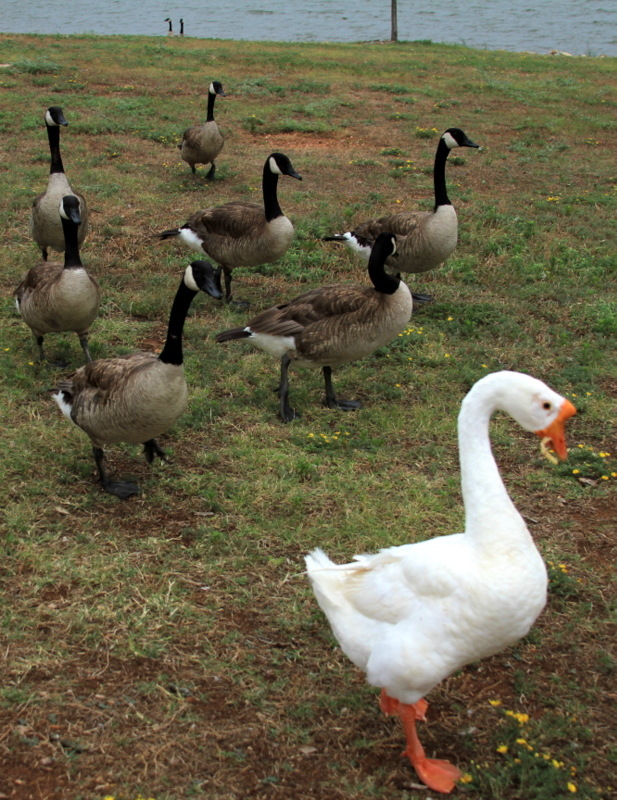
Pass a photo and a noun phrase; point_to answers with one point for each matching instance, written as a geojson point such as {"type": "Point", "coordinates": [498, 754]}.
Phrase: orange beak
{"type": "Point", "coordinates": [555, 431]}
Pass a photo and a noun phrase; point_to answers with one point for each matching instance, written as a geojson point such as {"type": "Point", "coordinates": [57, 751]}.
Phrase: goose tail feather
{"type": "Point", "coordinates": [168, 234]}
{"type": "Point", "coordinates": [232, 333]}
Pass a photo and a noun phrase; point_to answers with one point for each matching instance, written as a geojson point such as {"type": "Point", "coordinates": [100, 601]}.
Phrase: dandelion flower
{"type": "Point", "coordinates": [572, 787]}
{"type": "Point", "coordinates": [503, 748]}
{"type": "Point", "coordinates": [495, 702]}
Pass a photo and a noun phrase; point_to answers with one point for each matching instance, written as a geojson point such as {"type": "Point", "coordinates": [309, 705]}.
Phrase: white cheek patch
{"type": "Point", "coordinates": [191, 239]}
{"type": "Point", "coordinates": [274, 167]}
{"type": "Point", "coordinates": [212, 90]}
{"type": "Point", "coordinates": [49, 119]}
{"type": "Point", "coordinates": [449, 140]}
{"type": "Point", "coordinates": [189, 280]}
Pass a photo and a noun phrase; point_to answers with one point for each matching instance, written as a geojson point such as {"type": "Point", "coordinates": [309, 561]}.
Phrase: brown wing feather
{"type": "Point", "coordinates": [401, 224]}
{"type": "Point", "coordinates": [317, 305]}
{"type": "Point", "coordinates": [232, 219]}
{"type": "Point", "coordinates": [106, 374]}
{"type": "Point", "coordinates": [38, 278]}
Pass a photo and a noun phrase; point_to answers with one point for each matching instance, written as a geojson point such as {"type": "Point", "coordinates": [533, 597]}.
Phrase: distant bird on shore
{"type": "Point", "coordinates": [181, 28]}
{"type": "Point", "coordinates": [61, 297]}
{"type": "Point", "coordinates": [201, 144]}
{"type": "Point", "coordinates": [239, 233]}
{"type": "Point", "coordinates": [45, 223]}
{"type": "Point", "coordinates": [332, 325]}
{"type": "Point", "coordinates": [136, 397]}
{"type": "Point", "coordinates": [170, 31]}
{"type": "Point", "coordinates": [424, 239]}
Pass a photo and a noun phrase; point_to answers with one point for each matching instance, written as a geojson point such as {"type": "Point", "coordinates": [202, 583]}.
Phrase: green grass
{"type": "Point", "coordinates": [174, 636]}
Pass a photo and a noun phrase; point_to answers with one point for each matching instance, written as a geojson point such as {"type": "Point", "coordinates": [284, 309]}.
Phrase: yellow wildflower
{"type": "Point", "coordinates": [503, 748]}
{"type": "Point", "coordinates": [572, 787]}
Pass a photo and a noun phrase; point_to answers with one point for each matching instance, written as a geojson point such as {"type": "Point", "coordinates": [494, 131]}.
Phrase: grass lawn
{"type": "Point", "coordinates": [169, 645]}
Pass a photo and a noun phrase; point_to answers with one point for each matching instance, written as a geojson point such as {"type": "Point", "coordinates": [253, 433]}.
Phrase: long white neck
{"type": "Point", "coordinates": [491, 518]}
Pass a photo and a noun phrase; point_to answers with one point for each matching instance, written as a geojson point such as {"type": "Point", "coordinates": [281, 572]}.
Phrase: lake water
{"type": "Point", "coordinates": [574, 26]}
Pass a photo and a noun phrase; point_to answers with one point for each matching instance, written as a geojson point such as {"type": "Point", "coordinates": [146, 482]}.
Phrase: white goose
{"type": "Point", "coordinates": [409, 616]}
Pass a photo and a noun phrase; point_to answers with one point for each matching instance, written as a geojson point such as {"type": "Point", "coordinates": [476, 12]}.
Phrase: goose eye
{"type": "Point", "coordinates": [547, 405]}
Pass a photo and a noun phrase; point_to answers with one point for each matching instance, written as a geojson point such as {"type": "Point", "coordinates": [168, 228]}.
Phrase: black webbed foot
{"type": "Point", "coordinates": [121, 489]}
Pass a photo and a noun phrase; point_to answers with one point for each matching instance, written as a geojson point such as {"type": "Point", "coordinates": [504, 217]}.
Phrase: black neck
{"type": "Point", "coordinates": [53, 134]}
{"type": "Point", "coordinates": [71, 244]}
{"type": "Point", "coordinates": [269, 184]}
{"type": "Point", "coordinates": [439, 175]}
{"type": "Point", "coordinates": [382, 280]}
{"type": "Point", "coordinates": [211, 98]}
{"type": "Point", "coordinates": [172, 352]}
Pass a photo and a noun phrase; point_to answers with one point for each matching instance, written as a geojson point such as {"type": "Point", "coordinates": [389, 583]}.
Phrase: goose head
{"type": "Point", "coordinates": [216, 87]}
{"type": "Point", "coordinates": [70, 208]}
{"type": "Point", "coordinates": [55, 117]}
{"type": "Point", "coordinates": [201, 276]}
{"type": "Point", "coordinates": [535, 406]}
{"type": "Point", "coordinates": [455, 137]}
{"type": "Point", "coordinates": [279, 164]}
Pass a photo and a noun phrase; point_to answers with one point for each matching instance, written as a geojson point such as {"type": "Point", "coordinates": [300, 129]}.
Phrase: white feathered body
{"type": "Point", "coordinates": [410, 616]}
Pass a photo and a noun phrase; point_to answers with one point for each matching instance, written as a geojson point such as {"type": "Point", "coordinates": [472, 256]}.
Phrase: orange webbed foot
{"type": "Point", "coordinates": [439, 775]}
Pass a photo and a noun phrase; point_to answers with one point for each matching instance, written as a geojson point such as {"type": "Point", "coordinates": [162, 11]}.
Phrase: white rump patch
{"type": "Point", "coordinates": [354, 244]}
{"type": "Point", "coordinates": [274, 167]}
{"type": "Point", "coordinates": [276, 346]}
{"type": "Point", "coordinates": [190, 238]}
{"type": "Point", "coordinates": [65, 407]}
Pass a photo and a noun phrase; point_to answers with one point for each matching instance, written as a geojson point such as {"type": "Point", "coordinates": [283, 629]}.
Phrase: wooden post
{"type": "Point", "coordinates": [394, 36]}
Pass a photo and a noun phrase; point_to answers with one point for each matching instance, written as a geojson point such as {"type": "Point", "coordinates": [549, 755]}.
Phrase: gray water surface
{"type": "Point", "coordinates": [579, 27]}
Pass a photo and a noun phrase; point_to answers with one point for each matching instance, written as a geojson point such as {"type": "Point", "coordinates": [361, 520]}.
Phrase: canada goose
{"type": "Point", "coordinates": [201, 144]}
{"type": "Point", "coordinates": [424, 239]}
{"type": "Point", "coordinates": [409, 616]}
{"type": "Point", "coordinates": [136, 397]}
{"type": "Point", "coordinates": [181, 28]}
{"type": "Point", "coordinates": [239, 233]}
{"type": "Point", "coordinates": [55, 297]}
{"type": "Point", "coordinates": [45, 226]}
{"type": "Point", "coordinates": [170, 31]}
{"type": "Point", "coordinates": [332, 325]}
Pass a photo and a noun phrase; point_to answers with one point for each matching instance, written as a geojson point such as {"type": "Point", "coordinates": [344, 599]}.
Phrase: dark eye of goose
{"type": "Point", "coordinates": [547, 405]}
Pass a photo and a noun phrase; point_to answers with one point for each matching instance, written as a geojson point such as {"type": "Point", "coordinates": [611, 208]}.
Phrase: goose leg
{"type": "Point", "coordinates": [39, 343]}
{"type": "Point", "coordinates": [441, 776]}
{"type": "Point", "coordinates": [121, 489]}
{"type": "Point", "coordinates": [193, 170]}
{"type": "Point", "coordinates": [287, 412]}
{"type": "Point", "coordinates": [241, 305]}
{"type": "Point", "coordinates": [44, 253]}
{"type": "Point", "coordinates": [83, 341]}
{"type": "Point", "coordinates": [331, 400]}
{"type": "Point", "coordinates": [210, 173]}
{"type": "Point", "coordinates": [151, 450]}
